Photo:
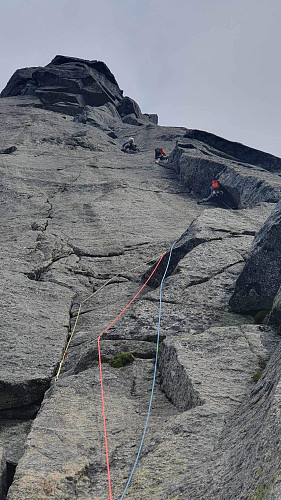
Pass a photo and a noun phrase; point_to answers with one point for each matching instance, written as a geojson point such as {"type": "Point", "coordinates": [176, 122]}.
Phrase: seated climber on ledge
{"type": "Point", "coordinates": [160, 155]}
{"type": "Point", "coordinates": [130, 146]}
{"type": "Point", "coordinates": [215, 192]}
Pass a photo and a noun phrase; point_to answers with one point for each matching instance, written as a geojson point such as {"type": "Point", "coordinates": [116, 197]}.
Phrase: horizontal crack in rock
{"type": "Point", "coordinates": [82, 253]}
{"type": "Point", "coordinates": [37, 274]}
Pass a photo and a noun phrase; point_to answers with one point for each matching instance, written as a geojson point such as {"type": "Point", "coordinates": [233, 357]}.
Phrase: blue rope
{"type": "Point", "coordinates": [154, 375]}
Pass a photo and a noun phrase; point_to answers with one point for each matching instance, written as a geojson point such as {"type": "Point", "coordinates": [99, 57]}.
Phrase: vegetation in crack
{"type": "Point", "coordinates": [121, 359]}
{"type": "Point", "coordinates": [259, 373]}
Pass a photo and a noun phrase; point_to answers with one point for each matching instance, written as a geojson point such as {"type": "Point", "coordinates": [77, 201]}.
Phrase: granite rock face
{"type": "Point", "coordinates": [83, 225]}
{"type": "Point", "coordinates": [274, 317]}
{"type": "Point", "coordinates": [250, 467]}
{"type": "Point", "coordinates": [245, 184]}
{"type": "Point", "coordinates": [3, 474]}
{"type": "Point", "coordinates": [236, 150]}
{"type": "Point", "coordinates": [152, 117]}
{"type": "Point", "coordinates": [128, 107]}
{"type": "Point", "coordinates": [260, 280]}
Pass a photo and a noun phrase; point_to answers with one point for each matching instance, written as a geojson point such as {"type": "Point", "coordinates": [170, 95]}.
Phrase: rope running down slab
{"type": "Point", "coordinates": [80, 307]}
{"type": "Point", "coordinates": [100, 368]}
{"type": "Point", "coordinates": [154, 375]}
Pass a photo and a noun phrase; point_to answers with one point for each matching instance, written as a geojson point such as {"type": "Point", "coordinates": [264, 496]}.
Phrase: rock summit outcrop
{"type": "Point", "coordinates": [69, 85]}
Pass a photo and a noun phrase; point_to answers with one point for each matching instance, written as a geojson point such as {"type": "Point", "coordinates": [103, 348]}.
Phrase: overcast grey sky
{"type": "Point", "coordinates": [207, 64]}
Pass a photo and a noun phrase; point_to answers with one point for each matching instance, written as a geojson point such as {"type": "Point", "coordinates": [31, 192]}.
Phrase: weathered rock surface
{"type": "Point", "coordinates": [215, 274]}
{"type": "Point", "coordinates": [77, 212]}
{"type": "Point", "coordinates": [245, 184]}
{"type": "Point", "coordinates": [152, 117]}
{"type": "Point", "coordinates": [128, 107]}
{"type": "Point", "coordinates": [188, 386]}
{"type": "Point", "coordinates": [260, 280]}
{"type": "Point", "coordinates": [13, 434]}
{"type": "Point", "coordinates": [74, 86]}
{"type": "Point", "coordinates": [8, 151]}
{"type": "Point", "coordinates": [67, 84]}
{"type": "Point", "coordinates": [3, 473]}
{"type": "Point", "coordinates": [250, 467]}
{"type": "Point", "coordinates": [214, 225]}
{"type": "Point", "coordinates": [236, 150]}
{"type": "Point", "coordinates": [215, 378]}
{"type": "Point", "coordinates": [32, 339]}
{"type": "Point", "coordinates": [131, 114]}
{"type": "Point", "coordinates": [274, 317]}
{"type": "Point", "coordinates": [103, 117]}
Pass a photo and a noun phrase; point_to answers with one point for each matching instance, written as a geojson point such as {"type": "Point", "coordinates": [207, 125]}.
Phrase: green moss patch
{"type": "Point", "coordinates": [262, 365]}
{"type": "Point", "coordinates": [121, 359]}
{"type": "Point", "coordinates": [260, 492]}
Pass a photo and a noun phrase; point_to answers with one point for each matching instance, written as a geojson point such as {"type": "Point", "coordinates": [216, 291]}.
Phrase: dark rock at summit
{"type": "Point", "coordinates": [132, 120]}
{"type": "Point", "coordinates": [99, 66]}
{"type": "Point", "coordinates": [67, 84]}
{"type": "Point", "coordinates": [153, 117]}
{"type": "Point", "coordinates": [127, 107]}
{"type": "Point", "coordinates": [260, 279]}
{"type": "Point", "coordinates": [20, 83]}
{"type": "Point", "coordinates": [131, 114]}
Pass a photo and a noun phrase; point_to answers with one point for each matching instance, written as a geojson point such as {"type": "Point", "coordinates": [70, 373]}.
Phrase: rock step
{"type": "Point", "coordinates": [244, 184]}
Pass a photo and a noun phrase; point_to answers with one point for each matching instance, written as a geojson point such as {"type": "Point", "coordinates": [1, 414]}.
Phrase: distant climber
{"type": "Point", "coordinates": [130, 146]}
{"type": "Point", "coordinates": [160, 155]}
{"type": "Point", "coordinates": [215, 192]}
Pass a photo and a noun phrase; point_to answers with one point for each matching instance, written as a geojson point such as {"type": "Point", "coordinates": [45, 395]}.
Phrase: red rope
{"type": "Point", "coordinates": [99, 351]}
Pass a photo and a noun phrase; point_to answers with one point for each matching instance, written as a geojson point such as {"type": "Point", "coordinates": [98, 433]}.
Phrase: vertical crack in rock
{"type": "Point", "coordinates": [43, 225]}
{"type": "Point", "coordinates": [50, 209]}
{"type": "Point", "coordinates": [11, 470]}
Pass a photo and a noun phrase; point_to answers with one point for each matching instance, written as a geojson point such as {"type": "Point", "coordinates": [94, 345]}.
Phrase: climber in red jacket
{"type": "Point", "coordinates": [160, 155]}
{"type": "Point", "coordinates": [215, 191]}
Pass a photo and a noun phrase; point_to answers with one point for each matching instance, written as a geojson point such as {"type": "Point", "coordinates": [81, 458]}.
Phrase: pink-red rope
{"type": "Point", "coordinates": [100, 367]}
